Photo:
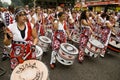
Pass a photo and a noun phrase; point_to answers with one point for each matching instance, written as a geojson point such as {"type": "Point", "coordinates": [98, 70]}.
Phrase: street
{"type": "Point", "coordinates": [107, 68]}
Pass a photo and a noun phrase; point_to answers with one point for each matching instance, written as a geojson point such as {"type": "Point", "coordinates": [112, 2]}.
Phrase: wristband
{"type": "Point", "coordinates": [33, 48]}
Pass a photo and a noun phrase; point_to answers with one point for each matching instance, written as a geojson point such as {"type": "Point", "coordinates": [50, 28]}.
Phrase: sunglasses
{"type": "Point", "coordinates": [22, 14]}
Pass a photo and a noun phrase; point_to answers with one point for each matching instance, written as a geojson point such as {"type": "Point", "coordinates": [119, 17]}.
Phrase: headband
{"type": "Point", "coordinates": [19, 12]}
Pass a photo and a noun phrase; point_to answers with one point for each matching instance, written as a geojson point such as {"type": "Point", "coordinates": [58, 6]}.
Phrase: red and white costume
{"type": "Point", "coordinates": [21, 47]}
{"type": "Point", "coordinates": [49, 26]}
{"type": "Point", "coordinates": [59, 37]}
{"type": "Point", "coordinates": [84, 37]}
{"type": "Point", "coordinates": [105, 36]}
{"type": "Point", "coordinates": [39, 24]}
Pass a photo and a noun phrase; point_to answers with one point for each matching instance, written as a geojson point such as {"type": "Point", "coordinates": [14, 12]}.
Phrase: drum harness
{"type": "Point", "coordinates": [32, 48]}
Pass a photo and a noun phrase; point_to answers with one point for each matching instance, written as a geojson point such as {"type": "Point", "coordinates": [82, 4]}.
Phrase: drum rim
{"type": "Point", "coordinates": [75, 53]}
{"type": "Point", "coordinates": [40, 49]}
{"type": "Point", "coordinates": [45, 69]}
{"type": "Point", "coordinates": [95, 45]}
{"type": "Point", "coordinates": [64, 63]}
{"type": "Point", "coordinates": [91, 52]}
{"type": "Point", "coordinates": [113, 48]}
{"type": "Point", "coordinates": [40, 38]}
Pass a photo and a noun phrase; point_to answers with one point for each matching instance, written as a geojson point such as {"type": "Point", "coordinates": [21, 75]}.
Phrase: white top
{"type": "Point", "coordinates": [60, 26]}
{"type": "Point", "coordinates": [16, 33]}
{"type": "Point", "coordinates": [35, 17]}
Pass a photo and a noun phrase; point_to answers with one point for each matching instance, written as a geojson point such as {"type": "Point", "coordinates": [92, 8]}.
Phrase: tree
{"type": "Point", "coordinates": [5, 4]}
{"type": "Point", "coordinates": [27, 2]}
{"type": "Point", "coordinates": [17, 3]}
{"type": "Point", "coordinates": [0, 3]}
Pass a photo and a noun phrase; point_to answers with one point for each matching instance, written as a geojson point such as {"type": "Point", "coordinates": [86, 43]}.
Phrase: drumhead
{"type": "Point", "coordinates": [30, 70]}
{"type": "Point", "coordinates": [69, 48]}
{"type": "Point", "coordinates": [44, 39]}
{"type": "Point", "coordinates": [96, 43]}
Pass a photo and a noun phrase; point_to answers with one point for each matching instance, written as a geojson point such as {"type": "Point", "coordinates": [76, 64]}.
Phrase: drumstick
{"type": "Point", "coordinates": [24, 57]}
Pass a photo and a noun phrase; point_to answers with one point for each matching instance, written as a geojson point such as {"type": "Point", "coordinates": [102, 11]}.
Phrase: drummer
{"type": "Point", "coordinates": [106, 33]}
{"type": "Point", "coordinates": [23, 37]}
{"type": "Point", "coordinates": [60, 35]}
{"type": "Point", "coordinates": [85, 34]}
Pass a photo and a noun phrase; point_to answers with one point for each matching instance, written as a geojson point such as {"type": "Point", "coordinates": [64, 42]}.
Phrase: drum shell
{"type": "Point", "coordinates": [114, 44]}
{"type": "Point", "coordinates": [49, 34]}
{"type": "Point", "coordinates": [39, 53]}
{"type": "Point", "coordinates": [66, 58]}
{"type": "Point", "coordinates": [75, 36]}
{"type": "Point", "coordinates": [49, 31]}
{"type": "Point", "coordinates": [44, 44]}
{"type": "Point", "coordinates": [93, 49]}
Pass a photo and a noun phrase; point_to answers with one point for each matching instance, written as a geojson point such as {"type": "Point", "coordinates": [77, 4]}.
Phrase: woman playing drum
{"type": "Point", "coordinates": [106, 33]}
{"type": "Point", "coordinates": [23, 37]}
{"type": "Point", "coordinates": [85, 34]}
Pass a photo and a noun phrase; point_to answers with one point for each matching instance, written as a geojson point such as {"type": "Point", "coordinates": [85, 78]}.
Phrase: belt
{"type": "Point", "coordinates": [60, 31]}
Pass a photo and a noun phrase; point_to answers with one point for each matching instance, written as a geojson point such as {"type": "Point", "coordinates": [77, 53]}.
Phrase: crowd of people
{"type": "Point", "coordinates": [23, 26]}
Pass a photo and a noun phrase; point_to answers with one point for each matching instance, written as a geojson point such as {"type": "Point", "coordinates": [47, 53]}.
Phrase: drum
{"type": "Point", "coordinates": [49, 33]}
{"type": "Point", "coordinates": [93, 48]}
{"type": "Point", "coordinates": [75, 36]}
{"type": "Point", "coordinates": [39, 53]}
{"type": "Point", "coordinates": [67, 54]}
{"type": "Point", "coordinates": [114, 42]}
{"type": "Point", "coordinates": [30, 70]}
{"type": "Point", "coordinates": [44, 43]}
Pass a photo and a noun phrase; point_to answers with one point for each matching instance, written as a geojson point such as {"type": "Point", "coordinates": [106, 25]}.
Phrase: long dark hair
{"type": "Point", "coordinates": [83, 15]}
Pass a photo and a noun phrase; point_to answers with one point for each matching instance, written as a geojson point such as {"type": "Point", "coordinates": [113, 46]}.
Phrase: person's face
{"type": "Point", "coordinates": [32, 11]}
{"type": "Point", "coordinates": [39, 11]}
{"type": "Point", "coordinates": [27, 7]}
{"type": "Point", "coordinates": [74, 15]}
{"type": "Point", "coordinates": [63, 17]}
{"type": "Point", "coordinates": [112, 19]}
{"type": "Point", "coordinates": [22, 17]}
{"type": "Point", "coordinates": [87, 14]}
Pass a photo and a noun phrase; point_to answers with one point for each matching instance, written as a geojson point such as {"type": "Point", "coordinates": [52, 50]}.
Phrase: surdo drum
{"type": "Point", "coordinates": [38, 52]}
{"type": "Point", "coordinates": [44, 43]}
{"type": "Point", "coordinates": [30, 70]}
{"type": "Point", "coordinates": [67, 54]}
{"type": "Point", "coordinates": [93, 47]}
{"type": "Point", "coordinates": [114, 42]}
{"type": "Point", "coordinates": [49, 32]}
{"type": "Point", "coordinates": [75, 36]}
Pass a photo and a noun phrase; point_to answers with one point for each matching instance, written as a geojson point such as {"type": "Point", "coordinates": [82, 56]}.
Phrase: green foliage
{"type": "Point", "coordinates": [0, 3]}
{"type": "Point", "coordinates": [27, 2]}
{"type": "Point", "coordinates": [5, 4]}
{"type": "Point", "coordinates": [17, 3]}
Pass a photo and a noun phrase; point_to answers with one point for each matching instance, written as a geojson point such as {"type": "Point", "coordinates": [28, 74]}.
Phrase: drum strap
{"type": "Point", "coordinates": [29, 31]}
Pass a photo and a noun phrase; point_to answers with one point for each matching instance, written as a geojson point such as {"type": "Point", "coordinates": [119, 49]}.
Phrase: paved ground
{"type": "Point", "coordinates": [107, 68]}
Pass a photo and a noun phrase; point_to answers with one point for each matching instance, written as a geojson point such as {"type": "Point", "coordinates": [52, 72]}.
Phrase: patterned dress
{"type": "Point", "coordinates": [59, 37]}
{"type": "Point", "coordinates": [84, 37]}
